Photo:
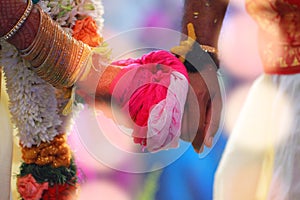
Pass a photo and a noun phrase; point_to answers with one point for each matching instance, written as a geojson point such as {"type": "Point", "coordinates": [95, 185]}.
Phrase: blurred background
{"type": "Point", "coordinates": [190, 176]}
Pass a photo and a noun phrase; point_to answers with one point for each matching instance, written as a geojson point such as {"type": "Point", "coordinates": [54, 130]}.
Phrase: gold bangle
{"type": "Point", "coordinates": [71, 66]}
{"type": "Point", "coordinates": [59, 65]}
{"type": "Point", "coordinates": [43, 47]}
{"type": "Point", "coordinates": [82, 58]}
{"type": "Point", "coordinates": [209, 49]}
{"type": "Point", "coordinates": [74, 75]}
{"type": "Point", "coordinates": [46, 67]}
{"type": "Point", "coordinates": [76, 49]}
{"type": "Point", "coordinates": [27, 50]}
{"type": "Point", "coordinates": [19, 24]}
{"type": "Point", "coordinates": [62, 60]}
{"type": "Point", "coordinates": [31, 51]}
{"type": "Point", "coordinates": [84, 61]}
{"type": "Point", "coordinates": [70, 72]}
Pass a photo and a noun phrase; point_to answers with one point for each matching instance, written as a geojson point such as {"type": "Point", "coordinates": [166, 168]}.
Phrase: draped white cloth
{"type": "Point", "coordinates": [6, 145]}
{"type": "Point", "coordinates": [262, 157]}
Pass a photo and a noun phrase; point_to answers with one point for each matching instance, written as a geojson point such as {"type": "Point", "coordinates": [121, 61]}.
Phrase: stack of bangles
{"type": "Point", "coordinates": [61, 60]}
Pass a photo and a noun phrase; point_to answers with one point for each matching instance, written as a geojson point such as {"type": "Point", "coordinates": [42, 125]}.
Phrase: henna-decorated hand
{"type": "Point", "coordinates": [10, 12]}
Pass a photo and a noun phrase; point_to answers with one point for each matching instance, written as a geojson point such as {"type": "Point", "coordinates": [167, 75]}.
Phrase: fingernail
{"type": "Point", "coordinates": [201, 149]}
{"type": "Point", "coordinates": [209, 141]}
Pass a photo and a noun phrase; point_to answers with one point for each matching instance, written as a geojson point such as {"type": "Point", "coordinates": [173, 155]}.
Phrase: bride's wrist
{"type": "Point", "coordinates": [20, 27]}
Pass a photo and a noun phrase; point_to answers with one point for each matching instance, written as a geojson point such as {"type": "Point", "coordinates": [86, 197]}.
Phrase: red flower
{"type": "Point", "coordinates": [29, 189]}
{"type": "Point", "coordinates": [61, 192]}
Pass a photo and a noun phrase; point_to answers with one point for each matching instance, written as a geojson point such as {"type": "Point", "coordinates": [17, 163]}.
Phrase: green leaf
{"type": "Point", "coordinates": [89, 6]}
{"type": "Point", "coordinates": [47, 173]}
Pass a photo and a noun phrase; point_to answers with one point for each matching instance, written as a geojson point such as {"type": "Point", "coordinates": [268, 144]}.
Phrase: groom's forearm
{"type": "Point", "coordinates": [207, 17]}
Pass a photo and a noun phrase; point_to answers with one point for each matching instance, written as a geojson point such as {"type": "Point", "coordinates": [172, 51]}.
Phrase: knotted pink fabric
{"type": "Point", "coordinates": [152, 91]}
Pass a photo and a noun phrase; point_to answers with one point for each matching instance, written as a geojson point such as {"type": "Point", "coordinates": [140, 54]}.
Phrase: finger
{"type": "Point", "coordinates": [186, 45]}
{"type": "Point", "coordinates": [201, 149]}
{"type": "Point", "coordinates": [191, 31]}
{"type": "Point", "coordinates": [190, 120]}
{"type": "Point", "coordinates": [200, 135]}
{"type": "Point", "coordinates": [184, 127]}
{"type": "Point", "coordinates": [180, 50]}
{"type": "Point", "coordinates": [213, 117]}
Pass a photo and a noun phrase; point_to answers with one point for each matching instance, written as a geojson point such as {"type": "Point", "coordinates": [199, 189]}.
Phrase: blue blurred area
{"type": "Point", "coordinates": [191, 177]}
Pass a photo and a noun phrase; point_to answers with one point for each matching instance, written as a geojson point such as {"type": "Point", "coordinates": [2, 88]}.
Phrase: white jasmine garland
{"type": "Point", "coordinates": [33, 103]}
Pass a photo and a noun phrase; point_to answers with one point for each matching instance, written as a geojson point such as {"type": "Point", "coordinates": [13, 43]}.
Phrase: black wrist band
{"type": "Point", "coordinates": [197, 59]}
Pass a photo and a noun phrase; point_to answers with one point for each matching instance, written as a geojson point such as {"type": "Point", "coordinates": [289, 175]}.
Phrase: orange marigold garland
{"type": "Point", "coordinates": [56, 153]}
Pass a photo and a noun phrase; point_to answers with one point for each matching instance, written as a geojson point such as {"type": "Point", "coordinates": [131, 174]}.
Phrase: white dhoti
{"type": "Point", "coordinates": [262, 156]}
{"type": "Point", "coordinates": [6, 145]}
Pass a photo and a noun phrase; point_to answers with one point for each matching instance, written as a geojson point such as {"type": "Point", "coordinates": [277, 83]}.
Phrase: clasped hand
{"type": "Point", "coordinates": [203, 106]}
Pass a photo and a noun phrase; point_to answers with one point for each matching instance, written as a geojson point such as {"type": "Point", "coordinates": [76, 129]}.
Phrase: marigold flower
{"type": "Point", "coordinates": [86, 31]}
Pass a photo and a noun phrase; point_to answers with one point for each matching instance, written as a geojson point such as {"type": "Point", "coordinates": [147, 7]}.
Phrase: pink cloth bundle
{"type": "Point", "coordinates": [152, 90]}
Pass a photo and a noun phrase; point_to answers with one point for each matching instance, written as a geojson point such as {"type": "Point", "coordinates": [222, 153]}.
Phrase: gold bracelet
{"type": "Point", "coordinates": [76, 49]}
{"type": "Point", "coordinates": [84, 61]}
{"type": "Point", "coordinates": [81, 61]}
{"type": "Point", "coordinates": [21, 21]}
{"type": "Point", "coordinates": [62, 60]}
{"type": "Point", "coordinates": [70, 64]}
{"type": "Point", "coordinates": [26, 51]}
{"type": "Point", "coordinates": [75, 73]}
{"type": "Point", "coordinates": [59, 66]}
{"type": "Point", "coordinates": [47, 66]}
{"type": "Point", "coordinates": [209, 49]}
{"type": "Point", "coordinates": [42, 48]}
{"type": "Point", "coordinates": [31, 51]}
